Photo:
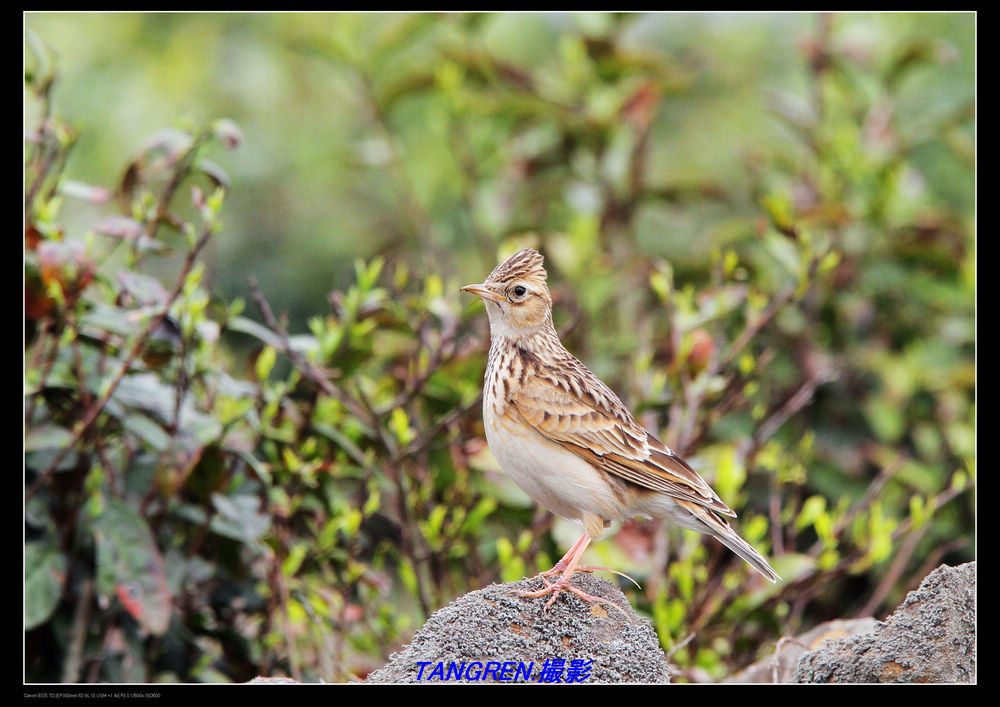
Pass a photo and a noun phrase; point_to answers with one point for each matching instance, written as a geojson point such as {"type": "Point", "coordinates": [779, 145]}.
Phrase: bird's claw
{"type": "Point", "coordinates": [555, 588]}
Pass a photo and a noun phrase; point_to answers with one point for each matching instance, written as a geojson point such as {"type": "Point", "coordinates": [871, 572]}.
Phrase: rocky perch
{"type": "Point", "coordinates": [931, 637]}
{"type": "Point", "coordinates": [494, 635]}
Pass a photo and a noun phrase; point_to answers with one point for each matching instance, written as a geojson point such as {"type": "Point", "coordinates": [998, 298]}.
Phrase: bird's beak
{"type": "Point", "coordinates": [484, 292]}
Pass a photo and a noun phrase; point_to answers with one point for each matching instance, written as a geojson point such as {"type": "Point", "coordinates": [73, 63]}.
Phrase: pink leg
{"type": "Point", "coordinates": [564, 562]}
{"type": "Point", "coordinates": [570, 561]}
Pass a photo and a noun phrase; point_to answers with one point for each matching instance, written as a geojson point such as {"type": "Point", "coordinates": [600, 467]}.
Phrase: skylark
{"type": "Point", "coordinates": [568, 441]}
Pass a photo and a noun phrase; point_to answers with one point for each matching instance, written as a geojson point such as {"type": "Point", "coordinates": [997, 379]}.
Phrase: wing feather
{"type": "Point", "coordinates": [598, 428]}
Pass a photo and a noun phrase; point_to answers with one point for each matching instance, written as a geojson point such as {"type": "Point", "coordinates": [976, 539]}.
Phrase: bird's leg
{"type": "Point", "coordinates": [570, 561]}
{"type": "Point", "coordinates": [564, 563]}
{"type": "Point", "coordinates": [568, 565]}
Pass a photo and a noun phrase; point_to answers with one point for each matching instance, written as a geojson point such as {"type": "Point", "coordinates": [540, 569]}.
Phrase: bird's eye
{"type": "Point", "coordinates": [519, 291]}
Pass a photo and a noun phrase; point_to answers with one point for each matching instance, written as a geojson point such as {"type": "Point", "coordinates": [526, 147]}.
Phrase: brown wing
{"type": "Point", "coordinates": [586, 417]}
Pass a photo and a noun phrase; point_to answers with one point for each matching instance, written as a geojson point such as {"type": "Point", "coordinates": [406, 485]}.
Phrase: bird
{"type": "Point", "coordinates": [569, 442]}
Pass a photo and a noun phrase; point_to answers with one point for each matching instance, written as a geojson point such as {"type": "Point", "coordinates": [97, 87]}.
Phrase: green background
{"type": "Point", "coordinates": [759, 230]}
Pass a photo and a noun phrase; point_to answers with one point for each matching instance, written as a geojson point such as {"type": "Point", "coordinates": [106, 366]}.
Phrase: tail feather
{"type": "Point", "coordinates": [705, 521]}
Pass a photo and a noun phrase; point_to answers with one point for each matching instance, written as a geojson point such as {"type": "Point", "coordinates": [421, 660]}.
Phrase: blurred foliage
{"type": "Point", "coordinates": [759, 230]}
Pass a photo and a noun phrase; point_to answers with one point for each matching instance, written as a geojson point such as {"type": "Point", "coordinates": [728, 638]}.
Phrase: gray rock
{"type": "Point", "coordinates": [931, 637]}
{"type": "Point", "coordinates": [780, 666]}
{"type": "Point", "coordinates": [494, 626]}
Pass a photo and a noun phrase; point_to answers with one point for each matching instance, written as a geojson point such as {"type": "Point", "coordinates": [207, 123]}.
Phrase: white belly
{"type": "Point", "coordinates": [554, 477]}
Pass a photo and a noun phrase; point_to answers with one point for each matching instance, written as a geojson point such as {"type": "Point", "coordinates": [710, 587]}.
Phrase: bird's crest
{"type": "Point", "coordinates": [524, 264]}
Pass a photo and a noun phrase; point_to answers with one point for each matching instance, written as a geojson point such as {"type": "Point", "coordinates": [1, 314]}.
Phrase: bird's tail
{"type": "Point", "coordinates": [705, 521]}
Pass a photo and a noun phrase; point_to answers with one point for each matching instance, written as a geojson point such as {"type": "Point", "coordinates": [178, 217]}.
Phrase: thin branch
{"type": "Point", "coordinates": [894, 572]}
{"type": "Point", "coordinates": [935, 503]}
{"type": "Point", "coordinates": [307, 368]}
{"type": "Point", "coordinates": [752, 329]}
{"type": "Point", "coordinates": [871, 493]}
{"type": "Point", "coordinates": [441, 355]}
{"type": "Point", "coordinates": [44, 336]}
{"type": "Point", "coordinates": [686, 640]}
{"type": "Point", "coordinates": [78, 632]}
{"type": "Point", "coordinates": [774, 515]}
{"type": "Point", "coordinates": [388, 443]}
{"type": "Point", "coordinates": [289, 632]}
{"type": "Point", "coordinates": [798, 400]}
{"type": "Point", "coordinates": [428, 436]}
{"type": "Point", "coordinates": [760, 322]}
{"type": "Point", "coordinates": [181, 169]}
{"type": "Point", "coordinates": [48, 161]}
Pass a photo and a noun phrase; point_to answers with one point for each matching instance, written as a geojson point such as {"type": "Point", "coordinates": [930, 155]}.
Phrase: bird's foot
{"type": "Point", "coordinates": [560, 567]}
{"type": "Point", "coordinates": [563, 583]}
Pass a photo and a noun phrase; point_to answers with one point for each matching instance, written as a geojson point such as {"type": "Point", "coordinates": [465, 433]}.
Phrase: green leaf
{"type": "Point", "coordinates": [129, 566]}
{"type": "Point", "coordinates": [294, 560]}
{"type": "Point", "coordinates": [350, 522]}
{"type": "Point", "coordinates": [258, 331]}
{"type": "Point", "coordinates": [400, 425]}
{"type": "Point", "coordinates": [44, 574]}
{"type": "Point", "coordinates": [792, 566]}
{"type": "Point", "coordinates": [784, 251]}
{"type": "Point", "coordinates": [373, 502]}
{"type": "Point", "coordinates": [147, 430]}
{"type": "Point", "coordinates": [202, 427]}
{"type": "Point", "coordinates": [87, 192]}
{"type": "Point", "coordinates": [474, 520]}
{"type": "Point", "coordinates": [918, 510]}
{"type": "Point", "coordinates": [408, 575]}
{"type": "Point", "coordinates": [730, 473]}
{"type": "Point", "coordinates": [147, 290]}
{"type": "Point", "coordinates": [886, 418]}
{"type": "Point", "coordinates": [813, 507]}
{"type": "Point", "coordinates": [880, 529]}
{"type": "Point", "coordinates": [144, 391]}
{"type": "Point", "coordinates": [265, 362]}
{"type": "Point", "coordinates": [214, 172]}
{"type": "Point", "coordinates": [47, 437]}
{"type": "Point", "coordinates": [367, 276]}
{"type": "Point", "coordinates": [239, 518]}
{"type": "Point", "coordinates": [342, 441]}
{"type": "Point", "coordinates": [432, 528]}
{"type": "Point", "coordinates": [117, 320]}
{"type": "Point", "coordinates": [511, 565]}
{"type": "Point", "coordinates": [684, 580]}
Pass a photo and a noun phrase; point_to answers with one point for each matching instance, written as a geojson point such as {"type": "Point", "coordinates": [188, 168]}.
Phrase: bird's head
{"type": "Point", "coordinates": [516, 296]}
